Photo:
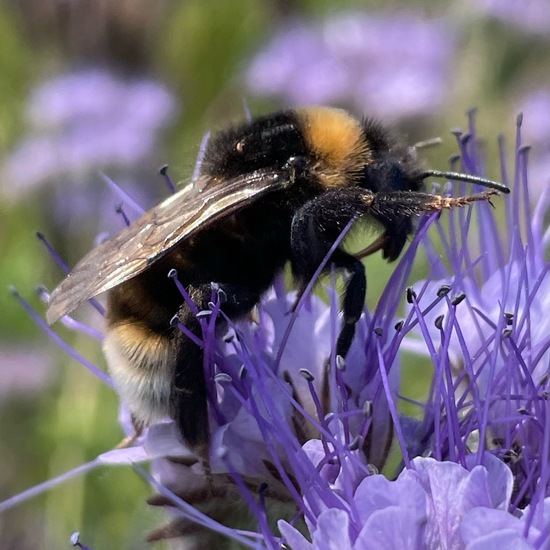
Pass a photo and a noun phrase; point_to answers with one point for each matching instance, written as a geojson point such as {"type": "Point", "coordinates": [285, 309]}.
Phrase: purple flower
{"type": "Point", "coordinates": [488, 336]}
{"type": "Point", "coordinates": [86, 120]}
{"type": "Point", "coordinates": [485, 427]}
{"type": "Point", "coordinates": [271, 406]}
{"type": "Point", "coordinates": [388, 66]}
{"type": "Point", "coordinates": [430, 505]}
{"type": "Point", "coordinates": [535, 107]}
{"type": "Point", "coordinates": [532, 16]}
{"type": "Point", "coordinates": [81, 123]}
{"type": "Point", "coordinates": [23, 370]}
{"type": "Point", "coordinates": [294, 428]}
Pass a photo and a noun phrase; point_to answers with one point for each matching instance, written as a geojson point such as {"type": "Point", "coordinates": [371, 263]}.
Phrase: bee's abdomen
{"type": "Point", "coordinates": [141, 363]}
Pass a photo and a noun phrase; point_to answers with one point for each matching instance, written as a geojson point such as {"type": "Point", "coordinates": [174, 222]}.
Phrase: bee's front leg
{"type": "Point", "coordinates": [315, 228]}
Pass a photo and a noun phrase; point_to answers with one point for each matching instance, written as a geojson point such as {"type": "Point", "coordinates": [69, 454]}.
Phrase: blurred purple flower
{"type": "Point", "coordinates": [23, 370]}
{"type": "Point", "coordinates": [535, 107]}
{"type": "Point", "coordinates": [79, 124]}
{"type": "Point", "coordinates": [388, 66]}
{"type": "Point", "coordinates": [86, 120]}
{"type": "Point", "coordinates": [532, 16]}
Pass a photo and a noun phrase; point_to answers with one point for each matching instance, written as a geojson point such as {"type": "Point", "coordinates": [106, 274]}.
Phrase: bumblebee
{"type": "Point", "coordinates": [280, 188]}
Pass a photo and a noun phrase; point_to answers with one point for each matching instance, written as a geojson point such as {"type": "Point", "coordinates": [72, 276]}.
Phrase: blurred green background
{"type": "Point", "coordinates": [124, 87]}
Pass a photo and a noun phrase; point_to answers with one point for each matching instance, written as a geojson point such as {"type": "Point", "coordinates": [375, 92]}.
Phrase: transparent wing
{"type": "Point", "coordinates": [152, 235]}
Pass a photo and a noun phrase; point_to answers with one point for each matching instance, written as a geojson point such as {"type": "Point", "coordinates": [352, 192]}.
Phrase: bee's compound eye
{"type": "Point", "coordinates": [240, 146]}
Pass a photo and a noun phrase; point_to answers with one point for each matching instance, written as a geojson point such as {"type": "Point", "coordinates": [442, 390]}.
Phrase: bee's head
{"type": "Point", "coordinates": [267, 142]}
{"type": "Point", "coordinates": [393, 165]}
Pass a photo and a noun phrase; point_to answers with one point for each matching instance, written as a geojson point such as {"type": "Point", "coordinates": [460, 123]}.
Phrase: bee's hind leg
{"type": "Point", "coordinates": [190, 393]}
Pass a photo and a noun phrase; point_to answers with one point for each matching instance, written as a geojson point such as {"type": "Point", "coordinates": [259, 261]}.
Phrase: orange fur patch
{"type": "Point", "coordinates": [338, 141]}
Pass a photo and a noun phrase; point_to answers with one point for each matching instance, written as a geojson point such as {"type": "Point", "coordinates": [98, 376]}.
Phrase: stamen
{"type": "Point", "coordinates": [164, 173]}
{"type": "Point", "coordinates": [443, 290]}
{"type": "Point", "coordinates": [53, 253]}
{"type": "Point", "coordinates": [458, 299]}
{"type": "Point", "coordinates": [123, 196]}
{"type": "Point", "coordinates": [173, 274]}
{"type": "Point", "coordinates": [75, 541]}
{"type": "Point", "coordinates": [119, 210]}
{"type": "Point", "coordinates": [98, 373]}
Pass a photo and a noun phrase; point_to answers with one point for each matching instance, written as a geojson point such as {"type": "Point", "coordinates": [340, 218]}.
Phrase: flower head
{"type": "Point", "coordinates": [430, 505]}
{"type": "Point", "coordinates": [295, 428]}
{"type": "Point", "coordinates": [86, 120]}
{"type": "Point", "coordinates": [488, 337]}
{"type": "Point", "coordinates": [286, 420]}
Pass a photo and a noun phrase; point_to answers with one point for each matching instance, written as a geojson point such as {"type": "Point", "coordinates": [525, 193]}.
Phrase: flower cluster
{"type": "Point", "coordinates": [430, 505]}
{"type": "Point", "coordinates": [87, 119]}
{"type": "Point", "coordinates": [300, 436]}
{"type": "Point", "coordinates": [292, 428]}
{"type": "Point", "coordinates": [489, 336]}
{"type": "Point", "coordinates": [80, 123]}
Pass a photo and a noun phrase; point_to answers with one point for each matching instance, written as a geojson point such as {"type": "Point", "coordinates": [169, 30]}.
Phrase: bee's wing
{"type": "Point", "coordinates": [152, 235]}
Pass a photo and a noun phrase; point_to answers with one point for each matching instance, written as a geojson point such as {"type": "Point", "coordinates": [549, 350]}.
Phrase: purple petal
{"type": "Point", "coordinates": [501, 540]}
{"type": "Point", "coordinates": [500, 480]}
{"type": "Point", "coordinates": [332, 531]}
{"type": "Point", "coordinates": [481, 524]}
{"type": "Point", "coordinates": [377, 493]}
{"type": "Point", "coordinates": [392, 527]}
{"type": "Point", "coordinates": [293, 538]}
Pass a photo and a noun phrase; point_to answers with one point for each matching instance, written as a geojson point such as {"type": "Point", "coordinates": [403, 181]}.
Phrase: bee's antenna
{"type": "Point", "coordinates": [465, 177]}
